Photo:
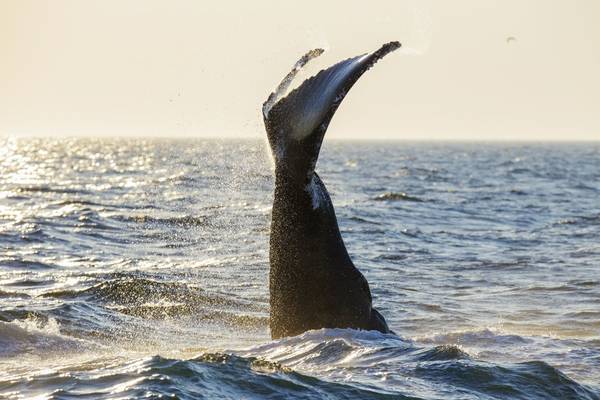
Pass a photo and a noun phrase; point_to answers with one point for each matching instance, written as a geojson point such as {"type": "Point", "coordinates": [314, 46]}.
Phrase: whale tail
{"type": "Point", "coordinates": [296, 122]}
{"type": "Point", "coordinates": [312, 281]}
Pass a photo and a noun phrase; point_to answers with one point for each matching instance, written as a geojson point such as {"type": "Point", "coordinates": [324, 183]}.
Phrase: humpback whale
{"type": "Point", "coordinates": [313, 283]}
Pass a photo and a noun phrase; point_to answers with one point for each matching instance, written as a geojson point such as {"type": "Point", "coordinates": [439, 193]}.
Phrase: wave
{"type": "Point", "coordinates": [152, 299]}
{"type": "Point", "coordinates": [397, 196]}
{"type": "Point", "coordinates": [78, 202]}
{"type": "Point", "coordinates": [403, 367]}
{"type": "Point", "coordinates": [49, 189]}
{"type": "Point", "coordinates": [444, 353]}
{"type": "Point", "coordinates": [185, 221]}
{"type": "Point", "coordinates": [326, 363]}
{"type": "Point", "coordinates": [32, 336]}
{"type": "Point", "coordinates": [16, 295]}
{"type": "Point", "coordinates": [430, 372]}
{"type": "Point", "coordinates": [530, 380]}
{"type": "Point", "coordinates": [338, 354]}
{"type": "Point", "coordinates": [584, 220]}
{"type": "Point", "coordinates": [482, 337]}
{"type": "Point", "coordinates": [208, 376]}
{"type": "Point", "coordinates": [518, 192]}
{"type": "Point", "coordinates": [17, 263]}
{"type": "Point", "coordinates": [133, 290]}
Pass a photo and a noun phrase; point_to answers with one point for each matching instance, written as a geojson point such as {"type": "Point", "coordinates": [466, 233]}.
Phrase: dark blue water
{"type": "Point", "coordinates": [139, 269]}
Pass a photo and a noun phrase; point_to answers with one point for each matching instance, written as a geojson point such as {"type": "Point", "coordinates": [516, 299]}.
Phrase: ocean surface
{"type": "Point", "coordinates": [139, 269]}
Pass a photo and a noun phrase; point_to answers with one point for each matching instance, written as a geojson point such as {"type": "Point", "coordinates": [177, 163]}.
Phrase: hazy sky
{"type": "Point", "coordinates": [199, 68]}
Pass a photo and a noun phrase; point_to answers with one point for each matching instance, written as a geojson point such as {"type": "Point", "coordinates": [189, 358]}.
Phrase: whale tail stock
{"type": "Point", "coordinates": [296, 122]}
{"type": "Point", "coordinates": [312, 281]}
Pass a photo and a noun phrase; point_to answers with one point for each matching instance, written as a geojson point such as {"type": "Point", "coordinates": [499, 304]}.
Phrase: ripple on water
{"type": "Point", "coordinates": [483, 258]}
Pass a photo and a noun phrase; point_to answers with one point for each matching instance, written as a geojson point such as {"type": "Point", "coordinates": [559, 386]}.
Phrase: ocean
{"type": "Point", "coordinates": [138, 268]}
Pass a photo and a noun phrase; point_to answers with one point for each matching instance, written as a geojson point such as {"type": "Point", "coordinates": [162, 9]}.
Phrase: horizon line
{"type": "Point", "coordinates": [258, 137]}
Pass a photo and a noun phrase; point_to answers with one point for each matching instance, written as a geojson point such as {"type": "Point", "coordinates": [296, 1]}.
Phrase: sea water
{"type": "Point", "coordinates": [139, 269]}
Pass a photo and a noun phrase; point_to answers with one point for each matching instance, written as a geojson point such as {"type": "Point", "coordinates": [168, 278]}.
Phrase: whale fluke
{"type": "Point", "coordinates": [287, 81]}
{"type": "Point", "coordinates": [313, 282]}
{"type": "Point", "coordinates": [308, 109]}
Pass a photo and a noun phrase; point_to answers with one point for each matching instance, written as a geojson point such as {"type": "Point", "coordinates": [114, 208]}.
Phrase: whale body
{"type": "Point", "coordinates": [313, 283]}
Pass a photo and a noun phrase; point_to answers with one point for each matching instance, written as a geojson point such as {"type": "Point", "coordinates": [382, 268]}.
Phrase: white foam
{"type": "Point", "coordinates": [33, 336]}
{"type": "Point", "coordinates": [321, 350]}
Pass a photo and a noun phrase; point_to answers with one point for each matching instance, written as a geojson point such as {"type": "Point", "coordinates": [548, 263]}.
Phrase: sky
{"type": "Point", "coordinates": [196, 68]}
